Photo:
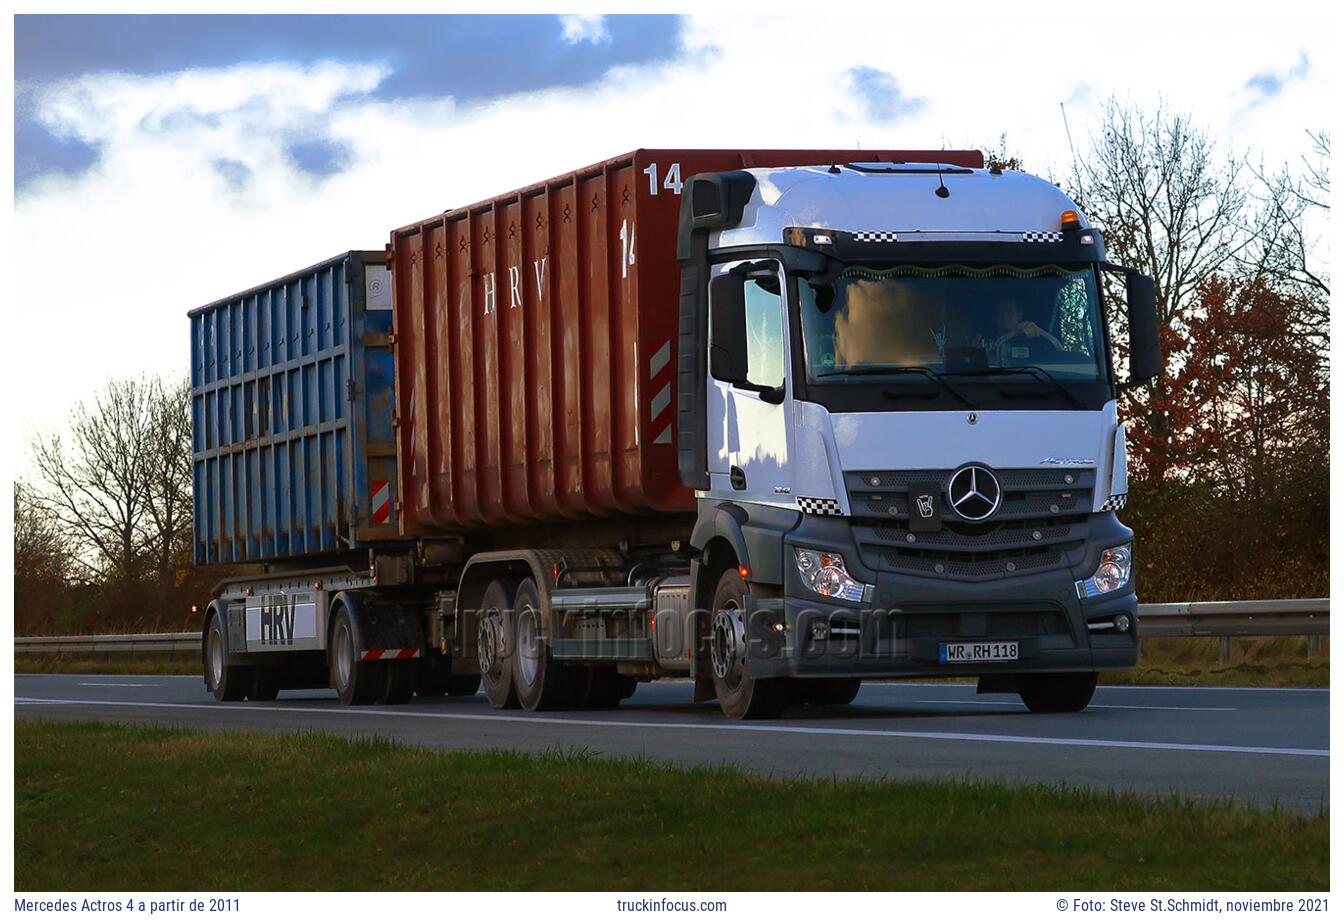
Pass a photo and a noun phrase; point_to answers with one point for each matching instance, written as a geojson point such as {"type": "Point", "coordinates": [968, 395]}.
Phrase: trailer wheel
{"type": "Point", "coordinates": [494, 643]}
{"type": "Point", "coordinates": [265, 687]}
{"type": "Point", "coordinates": [357, 682]}
{"type": "Point", "coordinates": [740, 695]}
{"type": "Point", "coordinates": [1058, 692]}
{"type": "Point", "coordinates": [540, 681]}
{"type": "Point", "coordinates": [830, 691]}
{"type": "Point", "coordinates": [227, 684]}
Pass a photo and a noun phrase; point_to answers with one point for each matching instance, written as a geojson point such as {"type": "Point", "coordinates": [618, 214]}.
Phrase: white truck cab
{"type": "Point", "coordinates": [898, 401]}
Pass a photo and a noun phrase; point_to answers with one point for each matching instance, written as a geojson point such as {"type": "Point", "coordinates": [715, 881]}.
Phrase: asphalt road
{"type": "Point", "coordinates": [1261, 745]}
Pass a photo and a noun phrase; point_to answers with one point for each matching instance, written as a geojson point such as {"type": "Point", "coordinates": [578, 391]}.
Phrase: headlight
{"type": "Point", "coordinates": [1111, 575]}
{"type": "Point", "coordinates": [825, 573]}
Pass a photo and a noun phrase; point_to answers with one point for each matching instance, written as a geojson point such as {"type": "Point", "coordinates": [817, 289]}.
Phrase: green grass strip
{"type": "Point", "coordinates": [117, 807]}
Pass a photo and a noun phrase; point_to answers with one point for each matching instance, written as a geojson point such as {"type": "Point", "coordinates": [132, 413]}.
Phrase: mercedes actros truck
{"type": "Point", "coordinates": [776, 421]}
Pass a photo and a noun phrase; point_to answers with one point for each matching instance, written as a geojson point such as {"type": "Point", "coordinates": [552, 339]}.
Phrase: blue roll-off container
{"type": "Point", "coordinates": [292, 399]}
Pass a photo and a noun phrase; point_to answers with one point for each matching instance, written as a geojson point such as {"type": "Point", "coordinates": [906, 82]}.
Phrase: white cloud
{"type": "Point", "coordinates": [585, 27]}
{"type": "Point", "coordinates": [112, 260]}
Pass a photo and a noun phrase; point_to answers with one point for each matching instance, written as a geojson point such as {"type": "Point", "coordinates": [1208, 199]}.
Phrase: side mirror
{"type": "Point", "coordinates": [728, 329]}
{"type": "Point", "coordinates": [1145, 351]}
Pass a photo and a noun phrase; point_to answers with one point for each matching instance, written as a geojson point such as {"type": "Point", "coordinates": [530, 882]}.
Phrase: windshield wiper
{"type": "Point", "coordinates": [1034, 370]}
{"type": "Point", "coordinates": [890, 370]}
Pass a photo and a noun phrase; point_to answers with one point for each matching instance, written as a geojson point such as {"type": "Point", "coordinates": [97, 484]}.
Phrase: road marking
{"type": "Point", "coordinates": [1091, 706]}
{"type": "Point", "coordinates": [714, 726]}
{"type": "Point", "coordinates": [115, 685]}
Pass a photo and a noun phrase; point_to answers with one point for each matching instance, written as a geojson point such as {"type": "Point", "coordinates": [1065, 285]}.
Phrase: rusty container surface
{"type": "Point", "coordinates": [536, 336]}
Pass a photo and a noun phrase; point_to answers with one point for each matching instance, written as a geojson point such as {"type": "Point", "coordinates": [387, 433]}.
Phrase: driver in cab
{"type": "Point", "coordinates": [1015, 337]}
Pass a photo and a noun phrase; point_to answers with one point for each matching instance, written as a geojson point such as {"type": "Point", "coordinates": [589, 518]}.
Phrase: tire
{"type": "Point", "coordinates": [494, 645]}
{"type": "Point", "coordinates": [829, 691]}
{"type": "Point", "coordinates": [227, 684]}
{"type": "Point", "coordinates": [541, 682]}
{"type": "Point", "coordinates": [358, 683]}
{"type": "Point", "coordinates": [740, 696]}
{"type": "Point", "coordinates": [398, 682]}
{"type": "Point", "coordinates": [1058, 692]}
{"type": "Point", "coordinates": [264, 686]}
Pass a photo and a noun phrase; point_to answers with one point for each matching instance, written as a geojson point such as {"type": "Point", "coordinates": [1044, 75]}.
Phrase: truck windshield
{"type": "Point", "coordinates": [954, 320]}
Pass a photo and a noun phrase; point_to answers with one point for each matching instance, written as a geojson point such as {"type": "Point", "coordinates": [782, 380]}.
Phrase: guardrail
{"type": "Point", "coordinates": [1221, 619]}
{"type": "Point", "coordinates": [149, 643]}
{"type": "Point", "coordinates": [1308, 617]}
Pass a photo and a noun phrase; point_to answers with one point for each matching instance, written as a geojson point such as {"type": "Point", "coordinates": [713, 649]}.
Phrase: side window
{"type": "Point", "coordinates": [1074, 318]}
{"type": "Point", "coordinates": [765, 333]}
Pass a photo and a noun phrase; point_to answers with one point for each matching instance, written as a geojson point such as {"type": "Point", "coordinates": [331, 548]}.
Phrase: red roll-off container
{"type": "Point", "coordinates": [535, 337]}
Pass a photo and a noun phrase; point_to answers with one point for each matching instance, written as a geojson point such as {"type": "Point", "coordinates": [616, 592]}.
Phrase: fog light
{"type": "Point", "coordinates": [820, 631]}
{"type": "Point", "coordinates": [1122, 623]}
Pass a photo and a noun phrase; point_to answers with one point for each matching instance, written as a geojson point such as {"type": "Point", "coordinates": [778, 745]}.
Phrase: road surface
{"type": "Point", "coordinates": [1260, 745]}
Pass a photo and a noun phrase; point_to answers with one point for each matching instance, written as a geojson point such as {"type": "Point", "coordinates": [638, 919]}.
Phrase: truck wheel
{"type": "Point", "coordinates": [740, 696]}
{"type": "Point", "coordinates": [398, 682]}
{"type": "Point", "coordinates": [357, 682]}
{"type": "Point", "coordinates": [830, 691]}
{"type": "Point", "coordinates": [493, 645]}
{"type": "Point", "coordinates": [227, 684]}
{"type": "Point", "coordinates": [1058, 692]}
{"type": "Point", "coordinates": [265, 687]}
{"type": "Point", "coordinates": [540, 681]}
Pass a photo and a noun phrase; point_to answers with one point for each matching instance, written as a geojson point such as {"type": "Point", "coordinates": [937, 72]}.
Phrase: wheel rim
{"type": "Point", "coordinates": [215, 654]}
{"type": "Point", "coordinates": [344, 649]}
{"type": "Point", "coordinates": [529, 646]}
{"type": "Point", "coordinates": [726, 647]}
{"type": "Point", "coordinates": [488, 635]}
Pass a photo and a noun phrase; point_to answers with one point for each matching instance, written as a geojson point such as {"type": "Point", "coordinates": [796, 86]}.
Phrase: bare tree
{"type": "Point", "coordinates": [167, 469]}
{"type": "Point", "coordinates": [1171, 206]}
{"type": "Point", "coordinates": [1169, 203]}
{"type": "Point", "coordinates": [1291, 203]}
{"type": "Point", "coordinates": [95, 484]}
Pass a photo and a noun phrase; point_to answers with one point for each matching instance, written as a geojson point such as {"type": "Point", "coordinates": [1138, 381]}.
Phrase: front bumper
{"type": "Point", "coordinates": [897, 632]}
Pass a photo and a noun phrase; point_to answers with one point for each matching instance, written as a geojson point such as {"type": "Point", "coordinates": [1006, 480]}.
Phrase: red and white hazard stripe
{"type": "Point", "coordinates": [390, 654]}
{"type": "Point", "coordinates": [659, 416]}
{"type": "Point", "coordinates": [381, 501]}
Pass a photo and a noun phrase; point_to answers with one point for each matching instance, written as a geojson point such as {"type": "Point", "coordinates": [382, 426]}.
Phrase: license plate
{"type": "Point", "coordinates": [972, 652]}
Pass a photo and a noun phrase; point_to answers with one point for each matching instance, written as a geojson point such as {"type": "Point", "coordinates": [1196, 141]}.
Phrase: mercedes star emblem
{"type": "Point", "coordinates": [974, 492]}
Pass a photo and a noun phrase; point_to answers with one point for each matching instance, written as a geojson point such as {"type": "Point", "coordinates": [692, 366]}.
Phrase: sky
{"type": "Point", "coordinates": [162, 162]}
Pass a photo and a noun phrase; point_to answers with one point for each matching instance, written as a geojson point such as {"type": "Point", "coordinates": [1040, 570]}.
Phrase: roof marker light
{"type": "Point", "coordinates": [822, 239]}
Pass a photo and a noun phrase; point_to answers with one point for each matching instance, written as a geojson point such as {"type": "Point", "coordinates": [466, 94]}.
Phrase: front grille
{"type": "Point", "coordinates": [1042, 517]}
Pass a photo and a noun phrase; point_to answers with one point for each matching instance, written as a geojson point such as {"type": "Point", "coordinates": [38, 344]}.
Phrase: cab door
{"type": "Point", "coordinates": [750, 461]}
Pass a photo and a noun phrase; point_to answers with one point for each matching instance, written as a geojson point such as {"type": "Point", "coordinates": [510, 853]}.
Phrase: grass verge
{"type": "Point", "coordinates": [1277, 662]}
{"type": "Point", "coordinates": [102, 807]}
{"type": "Point", "coordinates": [107, 664]}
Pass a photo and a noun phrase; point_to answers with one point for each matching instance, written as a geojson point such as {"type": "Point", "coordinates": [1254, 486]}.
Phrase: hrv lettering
{"type": "Point", "coordinates": [277, 622]}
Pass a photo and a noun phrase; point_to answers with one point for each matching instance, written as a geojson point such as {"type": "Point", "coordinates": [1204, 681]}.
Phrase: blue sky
{"type": "Point", "coordinates": [165, 161]}
{"type": "Point", "coordinates": [469, 58]}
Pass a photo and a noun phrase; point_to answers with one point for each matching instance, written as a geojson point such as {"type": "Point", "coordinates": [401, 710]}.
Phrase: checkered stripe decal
{"type": "Point", "coordinates": [827, 506]}
{"type": "Point", "coordinates": [1115, 502]}
{"type": "Point", "coordinates": [1044, 236]}
{"type": "Point", "coordinates": [884, 236]}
